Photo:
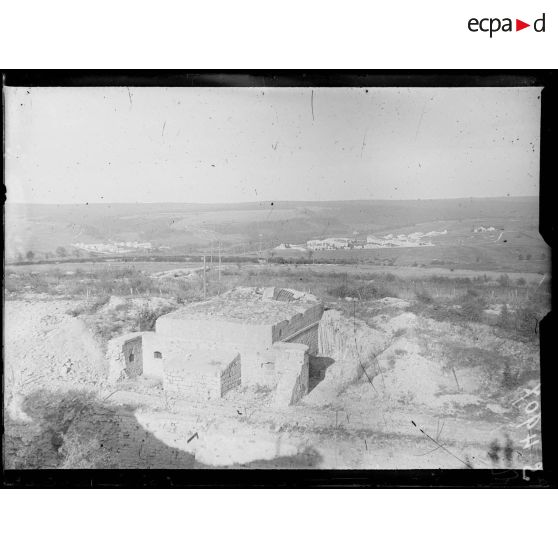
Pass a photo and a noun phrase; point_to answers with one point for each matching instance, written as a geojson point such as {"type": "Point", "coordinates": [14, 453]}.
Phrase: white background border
{"type": "Point", "coordinates": [277, 523]}
{"type": "Point", "coordinates": [256, 34]}
{"type": "Point", "coordinates": [264, 523]}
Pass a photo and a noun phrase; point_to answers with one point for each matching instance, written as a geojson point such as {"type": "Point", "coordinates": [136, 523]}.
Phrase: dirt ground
{"type": "Point", "coordinates": [430, 394]}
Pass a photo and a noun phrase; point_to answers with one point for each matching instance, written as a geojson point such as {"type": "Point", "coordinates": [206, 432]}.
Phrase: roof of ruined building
{"type": "Point", "coordinates": [249, 305]}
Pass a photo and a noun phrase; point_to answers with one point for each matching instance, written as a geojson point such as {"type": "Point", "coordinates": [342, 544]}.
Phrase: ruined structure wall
{"type": "Point", "coordinates": [251, 359]}
{"type": "Point", "coordinates": [230, 377]}
{"type": "Point", "coordinates": [308, 337]}
{"type": "Point", "coordinates": [258, 366]}
{"type": "Point", "coordinates": [215, 331]}
{"type": "Point", "coordinates": [118, 352]}
{"type": "Point", "coordinates": [152, 367]}
{"type": "Point", "coordinates": [202, 375]}
{"type": "Point", "coordinates": [291, 366]}
{"type": "Point", "coordinates": [133, 356]}
{"type": "Point", "coordinates": [297, 323]}
{"type": "Point", "coordinates": [253, 341]}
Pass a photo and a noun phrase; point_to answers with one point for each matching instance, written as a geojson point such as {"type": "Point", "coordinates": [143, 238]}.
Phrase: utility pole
{"type": "Point", "coordinates": [219, 260]}
{"type": "Point", "coordinates": [204, 286]}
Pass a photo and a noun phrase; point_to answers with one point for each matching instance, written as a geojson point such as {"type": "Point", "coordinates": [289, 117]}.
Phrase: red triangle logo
{"type": "Point", "coordinates": [519, 25]}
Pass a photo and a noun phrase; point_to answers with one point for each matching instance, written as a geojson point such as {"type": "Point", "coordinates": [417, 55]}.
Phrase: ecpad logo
{"type": "Point", "coordinates": [493, 25]}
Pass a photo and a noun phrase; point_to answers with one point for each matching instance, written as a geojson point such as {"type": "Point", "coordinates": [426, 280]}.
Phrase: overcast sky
{"type": "Point", "coordinates": [77, 145]}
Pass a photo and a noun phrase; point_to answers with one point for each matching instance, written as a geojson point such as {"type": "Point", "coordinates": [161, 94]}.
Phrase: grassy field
{"type": "Point", "coordinates": [93, 267]}
{"type": "Point", "coordinates": [515, 302]}
{"type": "Point", "coordinates": [477, 258]}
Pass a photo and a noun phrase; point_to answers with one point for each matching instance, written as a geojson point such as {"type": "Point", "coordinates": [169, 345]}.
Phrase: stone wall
{"type": "Point", "coordinates": [308, 337]}
{"type": "Point", "coordinates": [201, 374]}
{"type": "Point", "coordinates": [118, 352]}
{"type": "Point", "coordinates": [132, 350]}
{"type": "Point", "coordinates": [291, 368]}
{"type": "Point", "coordinates": [288, 328]}
{"type": "Point", "coordinates": [257, 366]}
{"type": "Point", "coordinates": [231, 376]}
{"type": "Point", "coordinates": [143, 344]}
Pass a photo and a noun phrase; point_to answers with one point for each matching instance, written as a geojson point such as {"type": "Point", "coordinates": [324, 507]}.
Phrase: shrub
{"type": "Point", "coordinates": [148, 316]}
{"type": "Point", "coordinates": [504, 280]}
{"type": "Point", "coordinates": [526, 321]}
{"type": "Point", "coordinates": [372, 291]}
{"type": "Point", "coordinates": [472, 306]}
{"type": "Point", "coordinates": [494, 452]}
{"type": "Point", "coordinates": [340, 291]}
{"type": "Point", "coordinates": [89, 307]}
{"type": "Point", "coordinates": [82, 452]}
{"type": "Point", "coordinates": [508, 451]}
{"type": "Point", "coordinates": [424, 297]}
{"type": "Point", "coordinates": [509, 380]}
{"type": "Point", "coordinates": [505, 320]}
{"type": "Point", "coordinates": [65, 432]}
{"type": "Point", "coordinates": [367, 291]}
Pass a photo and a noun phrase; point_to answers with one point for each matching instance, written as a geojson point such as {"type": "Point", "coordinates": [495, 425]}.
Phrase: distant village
{"type": "Point", "coordinates": [345, 243]}
{"type": "Point", "coordinates": [113, 247]}
{"type": "Point", "coordinates": [411, 240]}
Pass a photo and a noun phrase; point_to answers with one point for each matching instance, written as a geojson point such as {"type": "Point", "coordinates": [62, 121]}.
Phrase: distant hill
{"type": "Point", "coordinates": [243, 226]}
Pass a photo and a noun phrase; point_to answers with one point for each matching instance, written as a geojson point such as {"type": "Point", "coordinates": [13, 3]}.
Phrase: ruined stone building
{"type": "Point", "coordinates": [246, 336]}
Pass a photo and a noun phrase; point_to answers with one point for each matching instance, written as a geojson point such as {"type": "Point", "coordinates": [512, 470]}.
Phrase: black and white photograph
{"type": "Point", "coordinates": [303, 277]}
